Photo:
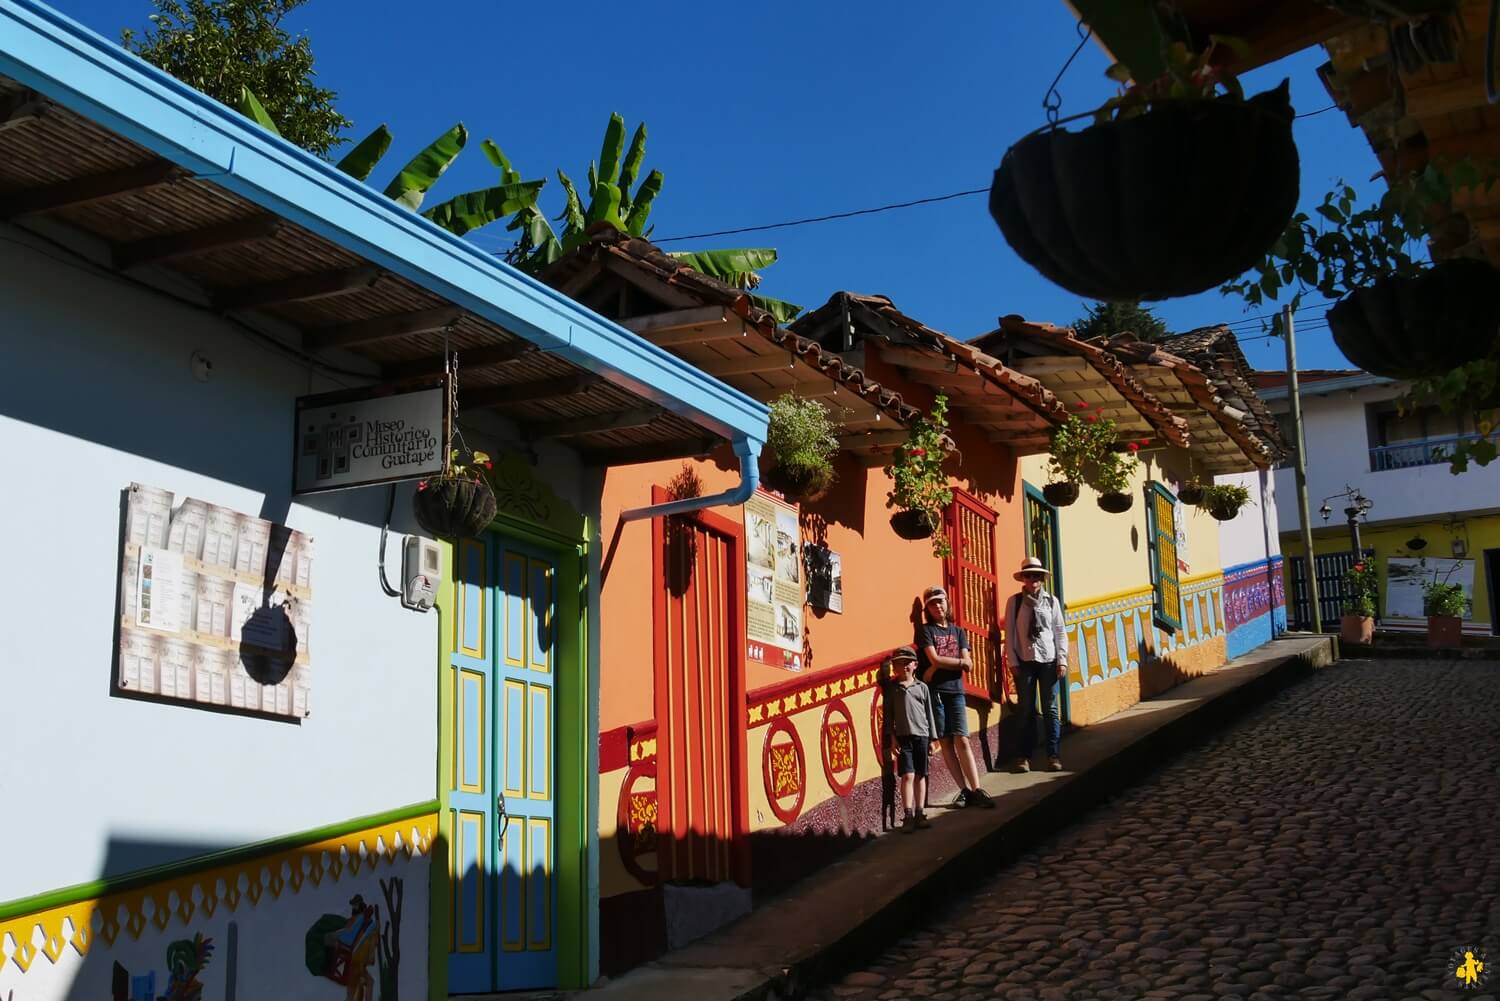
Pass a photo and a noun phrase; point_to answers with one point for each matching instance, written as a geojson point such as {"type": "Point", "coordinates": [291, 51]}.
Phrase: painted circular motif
{"type": "Point", "coordinates": [840, 753]}
{"type": "Point", "coordinates": [877, 722]}
{"type": "Point", "coordinates": [635, 819]}
{"type": "Point", "coordinates": [784, 768]}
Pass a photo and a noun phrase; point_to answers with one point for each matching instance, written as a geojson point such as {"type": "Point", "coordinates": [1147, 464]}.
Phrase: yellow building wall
{"type": "Point", "coordinates": [1476, 534]}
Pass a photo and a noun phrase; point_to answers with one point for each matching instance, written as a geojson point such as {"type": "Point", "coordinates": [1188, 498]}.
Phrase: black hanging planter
{"type": "Point", "coordinates": [452, 508]}
{"type": "Point", "coordinates": [1116, 503]}
{"type": "Point", "coordinates": [913, 525]}
{"type": "Point", "coordinates": [1060, 494]}
{"type": "Point", "coordinates": [1191, 494]}
{"type": "Point", "coordinates": [801, 483]}
{"type": "Point", "coordinates": [1173, 202]}
{"type": "Point", "coordinates": [1408, 328]}
{"type": "Point", "coordinates": [1224, 510]}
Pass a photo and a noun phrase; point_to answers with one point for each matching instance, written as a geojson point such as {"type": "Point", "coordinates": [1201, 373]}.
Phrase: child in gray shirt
{"type": "Point", "coordinates": [911, 733]}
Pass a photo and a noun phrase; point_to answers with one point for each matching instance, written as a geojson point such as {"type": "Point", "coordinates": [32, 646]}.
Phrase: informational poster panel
{"type": "Point", "coordinates": [1406, 577]}
{"type": "Point", "coordinates": [825, 578]}
{"type": "Point", "coordinates": [773, 593]}
{"type": "Point", "coordinates": [216, 606]}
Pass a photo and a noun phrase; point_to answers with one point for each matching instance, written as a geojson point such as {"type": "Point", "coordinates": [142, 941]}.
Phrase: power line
{"type": "Point", "coordinates": [823, 218]}
{"type": "Point", "coordinates": [1318, 112]}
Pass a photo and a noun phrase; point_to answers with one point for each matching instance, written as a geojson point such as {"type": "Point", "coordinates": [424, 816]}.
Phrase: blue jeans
{"type": "Point", "coordinates": [1033, 676]}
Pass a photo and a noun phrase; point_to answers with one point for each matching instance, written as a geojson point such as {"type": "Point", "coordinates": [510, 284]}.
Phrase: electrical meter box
{"type": "Point", "coordinates": [421, 573]}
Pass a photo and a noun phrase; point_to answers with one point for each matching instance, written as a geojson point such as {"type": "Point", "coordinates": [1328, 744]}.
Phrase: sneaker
{"type": "Point", "coordinates": [1054, 764]}
{"type": "Point", "coordinates": [980, 798]}
{"type": "Point", "coordinates": [909, 825]}
{"type": "Point", "coordinates": [961, 800]}
{"type": "Point", "coordinates": [1022, 766]}
{"type": "Point", "coordinates": [922, 822]}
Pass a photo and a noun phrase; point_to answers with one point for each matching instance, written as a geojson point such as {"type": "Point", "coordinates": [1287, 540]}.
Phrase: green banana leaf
{"type": "Point", "coordinates": [634, 157]}
{"type": "Point", "coordinates": [360, 160]}
{"type": "Point", "coordinates": [410, 186]}
{"type": "Point", "coordinates": [785, 312]}
{"type": "Point", "coordinates": [508, 174]}
{"type": "Point", "coordinates": [736, 267]}
{"type": "Point", "coordinates": [462, 213]}
{"type": "Point", "coordinates": [604, 206]}
{"type": "Point", "coordinates": [572, 214]}
{"type": "Point", "coordinates": [640, 207]}
{"type": "Point", "coordinates": [250, 107]}
{"type": "Point", "coordinates": [609, 154]}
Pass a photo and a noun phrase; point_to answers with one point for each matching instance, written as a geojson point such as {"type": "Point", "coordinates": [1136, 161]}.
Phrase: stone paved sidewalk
{"type": "Point", "coordinates": [1338, 842]}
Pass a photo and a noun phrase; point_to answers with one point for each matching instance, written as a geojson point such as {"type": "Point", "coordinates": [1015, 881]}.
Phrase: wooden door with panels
{"type": "Point", "coordinates": [974, 593]}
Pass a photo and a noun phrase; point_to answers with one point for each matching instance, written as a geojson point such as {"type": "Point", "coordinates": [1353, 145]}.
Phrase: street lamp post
{"type": "Point", "coordinates": [1358, 509]}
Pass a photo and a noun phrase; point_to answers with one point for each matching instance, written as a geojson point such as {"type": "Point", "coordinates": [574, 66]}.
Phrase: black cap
{"type": "Point", "coordinates": [903, 653]}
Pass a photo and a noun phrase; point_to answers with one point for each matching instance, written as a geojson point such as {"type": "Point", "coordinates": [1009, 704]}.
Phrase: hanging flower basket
{"type": "Point", "coordinates": [1408, 328]}
{"type": "Point", "coordinates": [454, 507]}
{"type": "Point", "coordinates": [805, 483]}
{"type": "Point", "coordinates": [1224, 500]}
{"type": "Point", "coordinates": [1172, 202]}
{"type": "Point", "coordinates": [1116, 503]}
{"type": "Point", "coordinates": [1191, 494]}
{"type": "Point", "coordinates": [1060, 494]}
{"type": "Point", "coordinates": [914, 524]}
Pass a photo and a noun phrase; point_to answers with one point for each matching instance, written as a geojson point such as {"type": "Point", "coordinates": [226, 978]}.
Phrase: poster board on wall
{"type": "Point", "coordinates": [773, 582]}
{"type": "Point", "coordinates": [1406, 576]}
{"type": "Point", "coordinates": [215, 606]}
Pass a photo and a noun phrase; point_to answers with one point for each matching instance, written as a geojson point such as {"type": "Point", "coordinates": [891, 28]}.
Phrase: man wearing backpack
{"type": "Point", "coordinates": [1036, 643]}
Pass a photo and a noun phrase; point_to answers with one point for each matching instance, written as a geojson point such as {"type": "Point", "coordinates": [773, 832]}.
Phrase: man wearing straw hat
{"type": "Point", "coordinates": [1036, 642]}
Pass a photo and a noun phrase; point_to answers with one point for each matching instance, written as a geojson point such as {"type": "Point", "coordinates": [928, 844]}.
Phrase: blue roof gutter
{"type": "Point", "coordinates": [58, 58]}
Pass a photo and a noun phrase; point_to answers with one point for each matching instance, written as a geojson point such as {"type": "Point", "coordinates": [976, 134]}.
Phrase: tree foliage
{"type": "Point", "coordinates": [1106, 319]}
{"type": "Point", "coordinates": [226, 47]}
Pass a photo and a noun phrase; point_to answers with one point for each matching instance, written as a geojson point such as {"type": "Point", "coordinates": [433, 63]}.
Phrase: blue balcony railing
{"type": "Point", "coordinates": [1427, 452]}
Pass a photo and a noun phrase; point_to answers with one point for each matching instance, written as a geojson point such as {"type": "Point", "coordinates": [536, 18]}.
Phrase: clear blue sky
{"type": "Point", "coordinates": [774, 111]}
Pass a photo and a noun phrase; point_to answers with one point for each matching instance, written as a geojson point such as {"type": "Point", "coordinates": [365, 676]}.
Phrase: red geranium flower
{"type": "Point", "coordinates": [1360, 567]}
{"type": "Point", "coordinates": [918, 451]}
{"type": "Point", "coordinates": [489, 465]}
{"type": "Point", "coordinates": [1135, 446]}
{"type": "Point", "coordinates": [1082, 405]}
{"type": "Point", "coordinates": [1093, 418]}
{"type": "Point", "coordinates": [422, 485]}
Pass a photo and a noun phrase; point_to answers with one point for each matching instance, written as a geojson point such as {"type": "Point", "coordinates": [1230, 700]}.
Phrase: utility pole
{"type": "Point", "coordinates": [1311, 576]}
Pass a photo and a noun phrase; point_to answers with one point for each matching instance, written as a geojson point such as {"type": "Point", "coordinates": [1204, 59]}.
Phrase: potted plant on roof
{"type": "Point", "coordinates": [1077, 444]}
{"type": "Point", "coordinates": [1223, 500]}
{"type": "Point", "coordinates": [920, 488]}
{"type": "Point", "coordinates": [1111, 477]}
{"type": "Point", "coordinates": [1117, 211]}
{"type": "Point", "coordinates": [1444, 605]}
{"type": "Point", "coordinates": [803, 437]}
{"type": "Point", "coordinates": [1399, 314]}
{"type": "Point", "coordinates": [1357, 624]}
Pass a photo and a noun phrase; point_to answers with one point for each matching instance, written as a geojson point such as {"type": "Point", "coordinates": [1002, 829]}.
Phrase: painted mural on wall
{"type": "Point", "coordinates": [215, 606]}
{"type": "Point", "coordinates": [241, 929]}
{"type": "Point", "coordinates": [1406, 577]}
{"type": "Point", "coordinates": [773, 582]}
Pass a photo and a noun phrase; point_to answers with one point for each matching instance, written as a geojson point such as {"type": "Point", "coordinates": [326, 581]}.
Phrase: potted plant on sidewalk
{"type": "Point", "coordinates": [1357, 624]}
{"type": "Point", "coordinates": [1444, 605]}
{"type": "Point", "coordinates": [1223, 501]}
{"type": "Point", "coordinates": [920, 489]}
{"type": "Point", "coordinates": [1188, 148]}
{"type": "Point", "coordinates": [803, 437]}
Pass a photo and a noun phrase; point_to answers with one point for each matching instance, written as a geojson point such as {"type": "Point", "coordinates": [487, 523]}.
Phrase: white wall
{"type": "Point", "coordinates": [1253, 535]}
{"type": "Point", "coordinates": [96, 392]}
{"type": "Point", "coordinates": [1338, 457]}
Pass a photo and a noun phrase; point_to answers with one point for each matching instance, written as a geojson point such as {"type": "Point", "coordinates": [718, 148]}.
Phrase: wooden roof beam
{"type": "Point", "coordinates": [469, 359]}
{"type": "Point", "coordinates": [948, 379]}
{"type": "Point", "coordinates": [863, 441]}
{"type": "Point", "coordinates": [18, 109]}
{"type": "Point", "coordinates": [614, 420]}
{"type": "Point", "coordinates": [676, 319]}
{"type": "Point", "coordinates": [1050, 365]}
{"type": "Point", "coordinates": [91, 188]}
{"type": "Point", "coordinates": [380, 328]}
{"type": "Point", "coordinates": [528, 392]}
{"type": "Point", "coordinates": [298, 288]}
{"type": "Point", "coordinates": [748, 365]}
{"type": "Point", "coordinates": [170, 246]}
{"type": "Point", "coordinates": [682, 448]}
{"type": "Point", "coordinates": [917, 359]}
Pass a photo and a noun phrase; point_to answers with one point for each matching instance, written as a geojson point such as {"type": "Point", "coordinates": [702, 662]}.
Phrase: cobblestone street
{"type": "Point", "coordinates": [1339, 842]}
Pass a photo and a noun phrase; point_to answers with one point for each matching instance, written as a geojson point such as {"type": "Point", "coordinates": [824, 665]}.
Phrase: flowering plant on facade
{"type": "Point", "coordinates": [1079, 443]}
{"type": "Point", "coordinates": [1112, 471]}
{"type": "Point", "coordinates": [917, 469]}
{"type": "Point", "coordinates": [473, 468]}
{"type": "Point", "coordinates": [1362, 589]}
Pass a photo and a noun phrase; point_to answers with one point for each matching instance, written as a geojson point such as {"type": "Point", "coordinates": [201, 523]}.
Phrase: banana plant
{"type": "Point", "coordinates": [459, 214]}
{"type": "Point", "coordinates": [741, 268]}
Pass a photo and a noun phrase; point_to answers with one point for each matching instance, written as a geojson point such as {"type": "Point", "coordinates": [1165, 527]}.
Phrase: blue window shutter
{"type": "Point", "coordinates": [1161, 524]}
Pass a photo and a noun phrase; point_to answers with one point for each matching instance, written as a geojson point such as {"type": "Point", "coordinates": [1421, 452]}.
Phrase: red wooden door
{"type": "Point", "coordinates": [699, 642]}
{"type": "Point", "coordinates": [974, 592]}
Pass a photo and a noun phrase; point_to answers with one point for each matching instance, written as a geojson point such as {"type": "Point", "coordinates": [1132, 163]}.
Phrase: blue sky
{"type": "Point", "coordinates": [775, 111]}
